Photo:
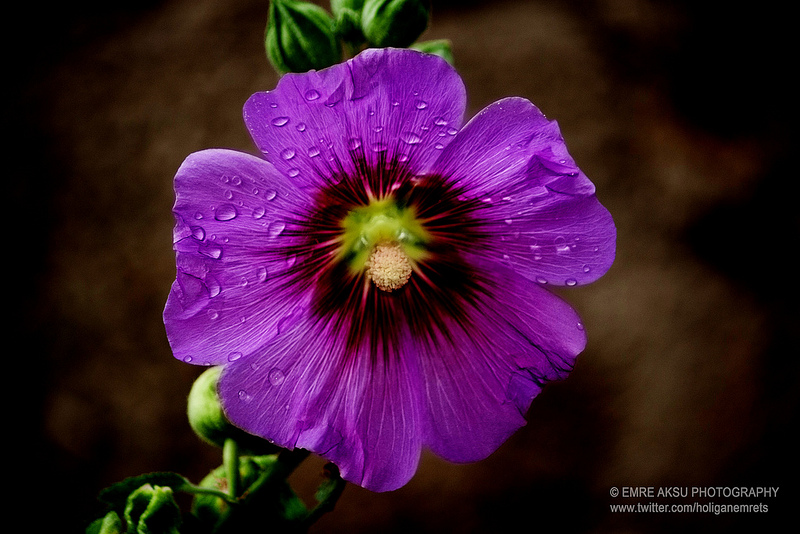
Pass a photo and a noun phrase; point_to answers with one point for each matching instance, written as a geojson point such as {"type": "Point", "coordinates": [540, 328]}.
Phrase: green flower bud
{"type": "Point", "coordinates": [300, 37]}
{"type": "Point", "coordinates": [109, 524]}
{"type": "Point", "coordinates": [439, 47]}
{"type": "Point", "coordinates": [152, 509]}
{"type": "Point", "coordinates": [348, 22]}
{"type": "Point", "coordinates": [209, 422]}
{"type": "Point", "coordinates": [394, 23]}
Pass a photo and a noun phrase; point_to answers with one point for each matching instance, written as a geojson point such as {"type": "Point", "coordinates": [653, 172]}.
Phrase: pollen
{"type": "Point", "coordinates": [388, 266]}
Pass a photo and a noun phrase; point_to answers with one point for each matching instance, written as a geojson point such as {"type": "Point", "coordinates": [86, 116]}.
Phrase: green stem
{"type": "Point", "coordinates": [230, 459]}
{"type": "Point", "coordinates": [287, 462]}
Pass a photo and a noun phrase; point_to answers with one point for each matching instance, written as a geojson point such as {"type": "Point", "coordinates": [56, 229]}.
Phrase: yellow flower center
{"type": "Point", "coordinates": [388, 267]}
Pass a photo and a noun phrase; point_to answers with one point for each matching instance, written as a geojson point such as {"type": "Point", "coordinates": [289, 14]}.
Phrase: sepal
{"type": "Point", "coordinates": [300, 37]}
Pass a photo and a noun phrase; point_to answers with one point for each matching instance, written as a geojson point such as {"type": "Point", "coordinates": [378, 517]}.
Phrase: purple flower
{"type": "Point", "coordinates": [377, 284]}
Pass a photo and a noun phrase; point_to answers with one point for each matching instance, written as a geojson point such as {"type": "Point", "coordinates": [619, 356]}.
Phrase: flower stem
{"type": "Point", "coordinates": [230, 459]}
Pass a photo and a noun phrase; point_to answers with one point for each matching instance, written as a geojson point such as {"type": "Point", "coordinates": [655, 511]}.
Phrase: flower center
{"type": "Point", "coordinates": [383, 240]}
{"type": "Point", "coordinates": [388, 267]}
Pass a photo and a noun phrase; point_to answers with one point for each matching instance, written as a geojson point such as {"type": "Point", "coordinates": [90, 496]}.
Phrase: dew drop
{"type": "Point", "coordinates": [301, 127]}
{"type": "Point", "coordinates": [276, 377]}
{"type": "Point", "coordinates": [402, 157]}
{"type": "Point", "coordinates": [211, 251]}
{"type": "Point", "coordinates": [269, 195]}
{"type": "Point", "coordinates": [452, 131]}
{"type": "Point", "coordinates": [276, 228]}
{"type": "Point", "coordinates": [410, 138]}
{"type": "Point", "coordinates": [244, 396]}
{"type": "Point", "coordinates": [541, 280]}
{"type": "Point", "coordinates": [243, 281]}
{"type": "Point", "coordinates": [509, 221]}
{"type": "Point", "coordinates": [233, 356]}
{"type": "Point", "coordinates": [261, 274]}
{"type": "Point", "coordinates": [420, 104]}
{"type": "Point", "coordinates": [586, 268]}
{"type": "Point", "coordinates": [226, 212]}
{"type": "Point", "coordinates": [198, 216]}
{"type": "Point", "coordinates": [438, 146]}
{"type": "Point", "coordinates": [213, 315]}
{"type": "Point", "coordinates": [379, 147]}
{"type": "Point", "coordinates": [259, 212]}
{"type": "Point", "coordinates": [187, 359]}
{"type": "Point", "coordinates": [213, 286]}
{"type": "Point", "coordinates": [353, 143]}
{"type": "Point", "coordinates": [440, 121]}
{"type": "Point", "coordinates": [287, 154]}
{"type": "Point", "coordinates": [561, 245]}
{"type": "Point", "coordinates": [198, 232]}
{"type": "Point", "coordinates": [312, 94]}
{"type": "Point", "coordinates": [313, 152]}
{"type": "Point", "coordinates": [280, 121]}
{"type": "Point", "coordinates": [293, 172]}
{"type": "Point", "coordinates": [229, 194]}
{"type": "Point", "coordinates": [571, 282]}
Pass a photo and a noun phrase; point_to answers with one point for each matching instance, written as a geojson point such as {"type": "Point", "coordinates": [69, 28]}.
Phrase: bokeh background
{"type": "Point", "coordinates": [680, 113]}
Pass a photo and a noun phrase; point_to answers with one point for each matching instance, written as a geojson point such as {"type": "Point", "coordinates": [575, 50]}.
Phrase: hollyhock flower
{"type": "Point", "coordinates": [377, 283]}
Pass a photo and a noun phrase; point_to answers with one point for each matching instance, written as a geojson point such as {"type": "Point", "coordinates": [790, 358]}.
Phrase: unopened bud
{"type": "Point", "coordinates": [300, 37]}
{"type": "Point", "coordinates": [394, 23]}
{"type": "Point", "coordinates": [208, 420]}
{"type": "Point", "coordinates": [347, 17]}
{"type": "Point", "coordinates": [152, 509]}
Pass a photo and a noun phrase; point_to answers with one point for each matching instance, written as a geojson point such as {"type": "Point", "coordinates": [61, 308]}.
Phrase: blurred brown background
{"type": "Point", "coordinates": [679, 112]}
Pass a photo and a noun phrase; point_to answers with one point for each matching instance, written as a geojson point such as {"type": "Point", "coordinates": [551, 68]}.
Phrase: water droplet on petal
{"type": "Point", "coordinates": [213, 286]}
{"type": "Point", "coordinates": [209, 250]}
{"type": "Point", "coordinates": [259, 212]}
{"type": "Point", "coordinates": [187, 359]}
{"type": "Point", "coordinates": [261, 274]}
{"type": "Point", "coordinates": [233, 356]}
{"type": "Point", "coordinates": [410, 138]}
{"type": "Point", "coordinates": [276, 228]}
{"type": "Point", "coordinates": [312, 94]}
{"type": "Point", "coordinates": [287, 154]}
{"type": "Point", "coordinates": [301, 127]}
{"type": "Point", "coordinates": [438, 146]}
{"type": "Point", "coordinates": [379, 147]}
{"type": "Point", "coordinates": [226, 212]}
{"type": "Point", "coordinates": [313, 152]}
{"type": "Point", "coordinates": [586, 268]}
{"type": "Point", "coordinates": [276, 377]}
{"type": "Point", "coordinates": [198, 232]}
{"type": "Point", "coordinates": [293, 172]}
{"type": "Point", "coordinates": [571, 282]}
{"type": "Point", "coordinates": [354, 143]}
{"type": "Point", "coordinates": [452, 131]}
{"type": "Point", "coordinates": [561, 245]}
{"type": "Point", "coordinates": [420, 104]}
{"type": "Point", "coordinates": [280, 121]}
{"type": "Point", "coordinates": [269, 195]}
{"type": "Point", "coordinates": [244, 396]}
{"type": "Point", "coordinates": [198, 215]}
{"type": "Point", "coordinates": [440, 121]}
{"type": "Point", "coordinates": [541, 280]}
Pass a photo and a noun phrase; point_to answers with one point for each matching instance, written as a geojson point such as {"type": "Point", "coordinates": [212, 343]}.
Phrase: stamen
{"type": "Point", "coordinates": [388, 266]}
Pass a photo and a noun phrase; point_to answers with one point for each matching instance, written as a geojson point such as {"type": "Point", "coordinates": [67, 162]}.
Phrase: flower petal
{"type": "Point", "coordinates": [359, 410]}
{"type": "Point", "coordinates": [230, 210]}
{"type": "Point", "coordinates": [479, 385]}
{"type": "Point", "coordinates": [384, 105]}
{"type": "Point", "coordinates": [550, 227]}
